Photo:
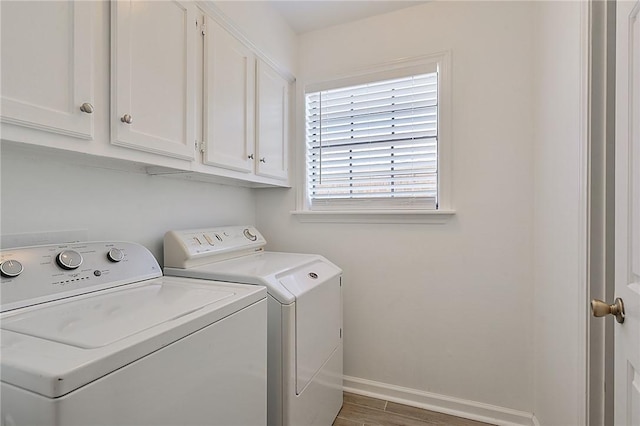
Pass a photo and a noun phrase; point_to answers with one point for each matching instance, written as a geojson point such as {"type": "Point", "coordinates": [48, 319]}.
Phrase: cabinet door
{"type": "Point", "coordinates": [271, 123]}
{"type": "Point", "coordinates": [47, 72]}
{"type": "Point", "coordinates": [229, 101]}
{"type": "Point", "coordinates": [153, 65]}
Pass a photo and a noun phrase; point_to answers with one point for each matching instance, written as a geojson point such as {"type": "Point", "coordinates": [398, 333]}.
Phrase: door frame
{"type": "Point", "coordinates": [601, 208]}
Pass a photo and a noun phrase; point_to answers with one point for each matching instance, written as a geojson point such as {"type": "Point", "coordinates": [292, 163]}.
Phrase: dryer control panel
{"type": "Point", "coordinates": [32, 275]}
{"type": "Point", "coordinates": [193, 247]}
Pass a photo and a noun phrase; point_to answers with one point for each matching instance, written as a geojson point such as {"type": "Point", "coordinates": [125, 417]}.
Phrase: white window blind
{"type": "Point", "coordinates": [374, 145]}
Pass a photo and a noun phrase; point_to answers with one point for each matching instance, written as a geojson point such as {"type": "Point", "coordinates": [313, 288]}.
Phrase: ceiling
{"type": "Point", "coordinates": [304, 16]}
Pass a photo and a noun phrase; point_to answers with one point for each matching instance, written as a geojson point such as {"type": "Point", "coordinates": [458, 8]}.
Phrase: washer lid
{"type": "Point", "coordinates": [55, 348]}
{"type": "Point", "coordinates": [104, 319]}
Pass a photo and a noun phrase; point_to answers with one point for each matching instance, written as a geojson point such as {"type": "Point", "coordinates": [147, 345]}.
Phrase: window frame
{"type": "Point", "coordinates": [408, 213]}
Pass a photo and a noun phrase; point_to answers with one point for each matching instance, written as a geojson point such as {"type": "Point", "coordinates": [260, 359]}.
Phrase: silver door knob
{"type": "Point", "coordinates": [250, 156]}
{"type": "Point", "coordinates": [263, 160]}
{"type": "Point", "coordinates": [86, 107]}
{"type": "Point", "coordinates": [601, 309]}
{"type": "Point", "coordinates": [127, 119]}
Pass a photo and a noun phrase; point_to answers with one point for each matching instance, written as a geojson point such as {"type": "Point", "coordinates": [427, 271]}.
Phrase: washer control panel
{"type": "Point", "coordinates": [191, 247]}
{"type": "Point", "coordinates": [32, 275]}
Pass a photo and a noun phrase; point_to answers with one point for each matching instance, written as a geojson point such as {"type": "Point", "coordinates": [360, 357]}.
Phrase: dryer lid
{"type": "Point", "coordinates": [282, 273]}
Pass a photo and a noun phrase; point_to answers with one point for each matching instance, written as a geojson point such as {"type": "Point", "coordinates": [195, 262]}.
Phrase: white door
{"type": "Point", "coordinates": [627, 217]}
{"type": "Point", "coordinates": [152, 74]}
{"type": "Point", "coordinates": [47, 66]}
{"type": "Point", "coordinates": [271, 123]}
{"type": "Point", "coordinates": [229, 100]}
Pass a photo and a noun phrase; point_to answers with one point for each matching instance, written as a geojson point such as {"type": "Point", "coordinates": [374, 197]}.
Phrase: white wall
{"type": "Point", "coordinates": [44, 193]}
{"type": "Point", "coordinates": [445, 309]}
{"type": "Point", "coordinates": [559, 220]}
{"type": "Point", "coordinates": [266, 29]}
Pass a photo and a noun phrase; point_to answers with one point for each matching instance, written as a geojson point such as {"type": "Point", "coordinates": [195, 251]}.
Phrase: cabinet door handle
{"type": "Point", "coordinates": [86, 107]}
{"type": "Point", "coordinates": [127, 119]}
{"type": "Point", "coordinates": [263, 160]}
{"type": "Point", "coordinates": [250, 156]}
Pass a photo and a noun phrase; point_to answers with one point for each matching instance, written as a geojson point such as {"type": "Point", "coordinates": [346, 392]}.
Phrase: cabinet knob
{"type": "Point", "coordinates": [263, 160]}
{"type": "Point", "coordinates": [250, 156]}
{"type": "Point", "coordinates": [127, 119]}
{"type": "Point", "coordinates": [86, 107]}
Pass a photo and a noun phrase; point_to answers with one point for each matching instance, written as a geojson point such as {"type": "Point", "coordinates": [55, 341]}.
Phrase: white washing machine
{"type": "Point", "coordinates": [93, 334]}
{"type": "Point", "coordinates": [304, 314]}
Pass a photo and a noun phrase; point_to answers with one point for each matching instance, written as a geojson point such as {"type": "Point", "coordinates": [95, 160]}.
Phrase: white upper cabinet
{"type": "Point", "coordinates": [271, 123]}
{"type": "Point", "coordinates": [152, 75]}
{"type": "Point", "coordinates": [229, 100]}
{"type": "Point", "coordinates": [143, 84]}
{"type": "Point", "coordinates": [245, 124]}
{"type": "Point", "coordinates": [47, 59]}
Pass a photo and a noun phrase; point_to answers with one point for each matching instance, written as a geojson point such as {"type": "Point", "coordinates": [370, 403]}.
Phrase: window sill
{"type": "Point", "coordinates": [375, 216]}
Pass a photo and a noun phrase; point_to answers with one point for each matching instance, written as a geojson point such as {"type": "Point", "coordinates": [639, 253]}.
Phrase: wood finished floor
{"type": "Point", "coordinates": [360, 410]}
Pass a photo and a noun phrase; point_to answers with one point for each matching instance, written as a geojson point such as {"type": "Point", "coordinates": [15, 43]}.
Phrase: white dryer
{"type": "Point", "coordinates": [304, 314]}
{"type": "Point", "coordinates": [93, 334]}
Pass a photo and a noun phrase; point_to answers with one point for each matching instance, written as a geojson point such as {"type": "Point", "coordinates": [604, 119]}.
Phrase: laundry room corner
{"type": "Point", "coordinates": [420, 299]}
{"type": "Point", "coordinates": [402, 203]}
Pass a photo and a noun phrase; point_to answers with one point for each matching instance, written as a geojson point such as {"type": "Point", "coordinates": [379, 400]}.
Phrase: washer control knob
{"type": "Point", "coordinates": [115, 255]}
{"type": "Point", "coordinates": [11, 268]}
{"type": "Point", "coordinates": [249, 235]}
{"type": "Point", "coordinates": [69, 259]}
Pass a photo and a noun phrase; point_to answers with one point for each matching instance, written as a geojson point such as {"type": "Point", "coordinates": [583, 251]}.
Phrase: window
{"type": "Point", "coordinates": [374, 140]}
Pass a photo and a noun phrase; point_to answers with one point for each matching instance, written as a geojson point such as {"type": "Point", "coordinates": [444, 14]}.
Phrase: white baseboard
{"type": "Point", "coordinates": [440, 403]}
